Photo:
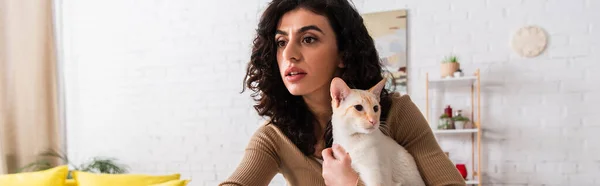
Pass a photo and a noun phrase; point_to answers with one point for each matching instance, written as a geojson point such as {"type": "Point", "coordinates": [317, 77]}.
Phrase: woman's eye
{"type": "Point", "coordinates": [309, 40]}
{"type": "Point", "coordinates": [280, 43]}
{"type": "Point", "coordinates": [358, 107]}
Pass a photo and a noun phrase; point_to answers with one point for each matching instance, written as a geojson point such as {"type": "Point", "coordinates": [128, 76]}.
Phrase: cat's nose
{"type": "Point", "coordinates": [372, 121]}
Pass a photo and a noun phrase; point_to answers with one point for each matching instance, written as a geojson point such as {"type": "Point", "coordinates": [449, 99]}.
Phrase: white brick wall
{"type": "Point", "coordinates": [155, 83]}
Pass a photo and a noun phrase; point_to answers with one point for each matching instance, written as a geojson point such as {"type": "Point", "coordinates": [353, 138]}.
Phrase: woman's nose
{"type": "Point", "coordinates": [291, 52]}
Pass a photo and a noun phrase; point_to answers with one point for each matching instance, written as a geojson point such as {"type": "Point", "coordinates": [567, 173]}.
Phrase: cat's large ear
{"type": "Point", "coordinates": [339, 91]}
{"type": "Point", "coordinates": [378, 88]}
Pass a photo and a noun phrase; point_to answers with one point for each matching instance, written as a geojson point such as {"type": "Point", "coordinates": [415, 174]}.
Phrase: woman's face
{"type": "Point", "coordinates": [307, 53]}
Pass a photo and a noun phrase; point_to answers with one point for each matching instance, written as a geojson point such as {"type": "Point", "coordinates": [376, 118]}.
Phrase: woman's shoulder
{"type": "Point", "coordinates": [268, 131]}
{"type": "Point", "coordinates": [270, 135]}
{"type": "Point", "coordinates": [266, 138]}
{"type": "Point", "coordinates": [400, 104]}
{"type": "Point", "coordinates": [398, 99]}
{"type": "Point", "coordinates": [403, 115]}
{"type": "Point", "coordinates": [270, 139]}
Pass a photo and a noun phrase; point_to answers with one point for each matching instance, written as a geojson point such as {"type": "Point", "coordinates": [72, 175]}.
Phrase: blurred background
{"type": "Point", "coordinates": [155, 84]}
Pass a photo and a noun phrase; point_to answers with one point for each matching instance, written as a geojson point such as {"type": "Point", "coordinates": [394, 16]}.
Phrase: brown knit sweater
{"type": "Point", "coordinates": [270, 152]}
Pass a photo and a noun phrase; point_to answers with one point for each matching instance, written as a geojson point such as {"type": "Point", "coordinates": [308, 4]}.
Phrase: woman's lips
{"type": "Point", "coordinates": [294, 74]}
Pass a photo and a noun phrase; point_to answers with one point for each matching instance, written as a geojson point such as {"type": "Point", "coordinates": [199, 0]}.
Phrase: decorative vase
{"type": "Point", "coordinates": [469, 125]}
{"type": "Point", "coordinates": [448, 111]}
{"type": "Point", "coordinates": [448, 69]}
{"type": "Point", "coordinates": [462, 169]}
{"type": "Point", "coordinates": [459, 124]}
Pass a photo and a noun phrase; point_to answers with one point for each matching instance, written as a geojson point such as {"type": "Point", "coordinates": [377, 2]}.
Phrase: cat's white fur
{"type": "Point", "coordinates": [379, 160]}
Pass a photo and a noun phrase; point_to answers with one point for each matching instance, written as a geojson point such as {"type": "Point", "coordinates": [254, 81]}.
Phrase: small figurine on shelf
{"type": "Point", "coordinates": [459, 120]}
{"type": "Point", "coordinates": [459, 73]}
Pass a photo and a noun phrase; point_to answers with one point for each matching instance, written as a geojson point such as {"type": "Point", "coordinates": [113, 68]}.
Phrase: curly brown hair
{"type": "Point", "coordinates": [288, 112]}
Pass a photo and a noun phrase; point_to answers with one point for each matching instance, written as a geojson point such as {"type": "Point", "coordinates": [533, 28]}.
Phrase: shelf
{"type": "Point", "coordinates": [452, 82]}
{"type": "Point", "coordinates": [437, 86]}
{"type": "Point", "coordinates": [472, 182]}
{"type": "Point", "coordinates": [455, 131]}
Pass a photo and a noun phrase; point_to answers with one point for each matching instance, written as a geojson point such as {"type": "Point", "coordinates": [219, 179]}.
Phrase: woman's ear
{"type": "Point", "coordinates": [340, 61]}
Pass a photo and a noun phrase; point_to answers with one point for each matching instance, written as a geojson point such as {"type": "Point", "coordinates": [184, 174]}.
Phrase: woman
{"type": "Point", "coordinates": [301, 45]}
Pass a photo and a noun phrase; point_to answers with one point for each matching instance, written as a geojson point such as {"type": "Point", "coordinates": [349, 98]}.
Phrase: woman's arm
{"type": "Point", "coordinates": [410, 129]}
{"type": "Point", "coordinates": [260, 163]}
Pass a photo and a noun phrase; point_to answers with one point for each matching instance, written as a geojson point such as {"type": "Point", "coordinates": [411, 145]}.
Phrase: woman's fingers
{"type": "Point", "coordinates": [327, 160]}
{"type": "Point", "coordinates": [337, 168]}
{"type": "Point", "coordinates": [340, 153]}
{"type": "Point", "coordinates": [327, 154]}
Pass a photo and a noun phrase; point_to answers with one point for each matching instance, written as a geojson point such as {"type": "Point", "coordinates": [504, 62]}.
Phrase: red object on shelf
{"type": "Point", "coordinates": [448, 111]}
{"type": "Point", "coordinates": [462, 169]}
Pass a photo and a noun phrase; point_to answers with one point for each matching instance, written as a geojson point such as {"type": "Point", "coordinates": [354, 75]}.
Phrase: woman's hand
{"type": "Point", "coordinates": [337, 169]}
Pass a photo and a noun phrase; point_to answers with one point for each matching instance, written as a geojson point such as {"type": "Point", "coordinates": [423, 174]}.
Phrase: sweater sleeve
{"type": "Point", "coordinates": [260, 162]}
{"type": "Point", "coordinates": [410, 129]}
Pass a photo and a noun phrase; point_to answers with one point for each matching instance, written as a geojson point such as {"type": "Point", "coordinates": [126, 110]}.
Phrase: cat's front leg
{"type": "Point", "coordinates": [369, 175]}
{"type": "Point", "coordinates": [371, 180]}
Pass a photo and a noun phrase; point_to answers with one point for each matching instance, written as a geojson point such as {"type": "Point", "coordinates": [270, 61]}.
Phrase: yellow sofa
{"type": "Point", "coordinates": [70, 182]}
{"type": "Point", "coordinates": [58, 177]}
{"type": "Point", "coordinates": [54, 177]}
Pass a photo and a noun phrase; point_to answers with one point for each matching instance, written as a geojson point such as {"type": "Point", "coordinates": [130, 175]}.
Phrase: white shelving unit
{"type": "Point", "coordinates": [460, 131]}
{"type": "Point", "coordinates": [472, 182]}
{"type": "Point", "coordinates": [472, 82]}
{"type": "Point", "coordinates": [452, 82]}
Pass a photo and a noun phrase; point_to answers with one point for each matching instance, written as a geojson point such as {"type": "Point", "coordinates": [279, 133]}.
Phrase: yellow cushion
{"type": "Point", "coordinates": [71, 182]}
{"type": "Point", "coordinates": [93, 179]}
{"type": "Point", "coordinates": [55, 176]}
{"type": "Point", "coordinates": [173, 183]}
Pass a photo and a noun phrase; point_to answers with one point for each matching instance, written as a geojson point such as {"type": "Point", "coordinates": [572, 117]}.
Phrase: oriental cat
{"type": "Point", "coordinates": [378, 159]}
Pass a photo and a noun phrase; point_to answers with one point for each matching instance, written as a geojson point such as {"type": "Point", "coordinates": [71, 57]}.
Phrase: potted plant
{"type": "Point", "coordinates": [444, 122]}
{"type": "Point", "coordinates": [449, 66]}
{"type": "Point", "coordinates": [96, 165]}
{"type": "Point", "coordinates": [460, 121]}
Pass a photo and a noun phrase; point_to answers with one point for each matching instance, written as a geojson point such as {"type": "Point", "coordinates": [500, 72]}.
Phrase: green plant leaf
{"type": "Point", "coordinates": [104, 165]}
{"type": "Point", "coordinates": [97, 165]}
{"type": "Point", "coordinates": [444, 116]}
{"type": "Point", "coordinates": [39, 165]}
{"type": "Point", "coordinates": [460, 118]}
{"type": "Point", "coordinates": [450, 59]}
{"type": "Point", "coordinates": [51, 153]}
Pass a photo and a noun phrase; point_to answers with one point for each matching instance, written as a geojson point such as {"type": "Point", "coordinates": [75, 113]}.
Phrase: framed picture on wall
{"type": "Point", "coordinates": [388, 30]}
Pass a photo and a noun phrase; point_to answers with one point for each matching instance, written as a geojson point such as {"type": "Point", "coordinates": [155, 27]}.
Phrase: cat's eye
{"type": "Point", "coordinates": [376, 108]}
{"type": "Point", "coordinates": [358, 107]}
